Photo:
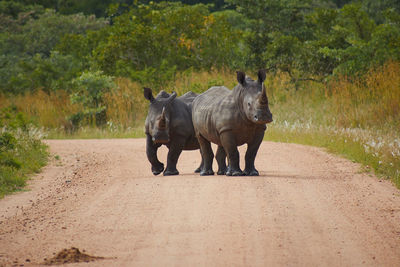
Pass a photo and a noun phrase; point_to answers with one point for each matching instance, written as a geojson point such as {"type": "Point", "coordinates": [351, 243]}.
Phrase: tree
{"type": "Point", "coordinates": [267, 17]}
{"type": "Point", "coordinates": [171, 35]}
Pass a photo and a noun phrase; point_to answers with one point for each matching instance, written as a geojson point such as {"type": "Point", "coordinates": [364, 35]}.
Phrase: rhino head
{"type": "Point", "coordinates": [158, 117]}
{"type": "Point", "coordinates": [254, 100]}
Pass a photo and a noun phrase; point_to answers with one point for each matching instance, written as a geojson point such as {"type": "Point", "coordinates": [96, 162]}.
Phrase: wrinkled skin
{"type": "Point", "coordinates": [169, 122]}
{"type": "Point", "coordinates": [230, 118]}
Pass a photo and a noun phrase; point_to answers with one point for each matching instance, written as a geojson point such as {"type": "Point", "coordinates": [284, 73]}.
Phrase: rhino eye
{"type": "Point", "coordinates": [248, 104]}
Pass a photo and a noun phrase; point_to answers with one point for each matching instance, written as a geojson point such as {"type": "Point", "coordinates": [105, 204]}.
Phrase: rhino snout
{"type": "Point", "coordinates": [263, 118]}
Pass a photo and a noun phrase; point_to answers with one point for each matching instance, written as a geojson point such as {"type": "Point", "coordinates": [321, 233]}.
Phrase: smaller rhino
{"type": "Point", "coordinates": [169, 122]}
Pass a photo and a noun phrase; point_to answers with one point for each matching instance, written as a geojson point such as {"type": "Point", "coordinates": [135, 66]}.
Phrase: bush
{"type": "Point", "coordinates": [89, 90]}
{"type": "Point", "coordinates": [21, 150]}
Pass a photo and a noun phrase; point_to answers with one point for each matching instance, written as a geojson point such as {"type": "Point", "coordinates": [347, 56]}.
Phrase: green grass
{"type": "Point", "coordinates": [98, 133]}
{"type": "Point", "coordinates": [28, 156]}
{"type": "Point", "coordinates": [344, 143]}
{"type": "Point", "coordinates": [21, 150]}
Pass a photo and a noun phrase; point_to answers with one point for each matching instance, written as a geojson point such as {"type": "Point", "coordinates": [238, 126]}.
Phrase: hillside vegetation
{"type": "Point", "coordinates": [76, 69]}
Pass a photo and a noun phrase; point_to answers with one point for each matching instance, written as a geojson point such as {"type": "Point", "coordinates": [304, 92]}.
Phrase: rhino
{"type": "Point", "coordinates": [169, 122]}
{"type": "Point", "coordinates": [230, 118]}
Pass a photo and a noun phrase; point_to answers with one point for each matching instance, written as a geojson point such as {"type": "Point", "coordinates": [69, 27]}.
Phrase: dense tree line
{"type": "Point", "coordinates": [50, 44]}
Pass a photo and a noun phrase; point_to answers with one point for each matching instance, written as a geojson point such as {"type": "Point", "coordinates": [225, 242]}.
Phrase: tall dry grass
{"type": "Point", "coordinates": [47, 110]}
{"type": "Point", "coordinates": [371, 101]}
{"type": "Point", "coordinates": [127, 107]}
{"type": "Point", "coordinates": [357, 117]}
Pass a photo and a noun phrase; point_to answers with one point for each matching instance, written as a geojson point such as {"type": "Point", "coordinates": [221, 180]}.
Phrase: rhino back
{"type": "Point", "coordinates": [181, 124]}
{"type": "Point", "coordinates": [188, 99]}
{"type": "Point", "coordinates": [214, 111]}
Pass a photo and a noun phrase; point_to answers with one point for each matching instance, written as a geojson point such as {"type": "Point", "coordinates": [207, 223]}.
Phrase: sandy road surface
{"type": "Point", "coordinates": [307, 208]}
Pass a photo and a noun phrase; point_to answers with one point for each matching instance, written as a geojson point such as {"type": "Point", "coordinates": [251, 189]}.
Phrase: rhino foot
{"type": "Point", "coordinates": [158, 169]}
{"type": "Point", "coordinates": [206, 173]}
{"type": "Point", "coordinates": [169, 172]}
{"type": "Point", "coordinates": [234, 172]}
{"type": "Point", "coordinates": [253, 172]}
{"type": "Point", "coordinates": [197, 170]}
{"type": "Point", "coordinates": [221, 172]}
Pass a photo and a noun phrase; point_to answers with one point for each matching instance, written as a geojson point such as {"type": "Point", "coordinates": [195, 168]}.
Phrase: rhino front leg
{"type": "Point", "coordinates": [252, 149]}
{"type": "Point", "coordinates": [175, 150]}
{"type": "Point", "coordinates": [207, 156]}
{"type": "Point", "coordinates": [220, 157]}
{"type": "Point", "coordinates": [229, 145]}
{"type": "Point", "coordinates": [151, 151]}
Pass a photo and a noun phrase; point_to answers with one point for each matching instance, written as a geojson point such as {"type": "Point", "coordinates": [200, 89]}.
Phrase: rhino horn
{"type": "Point", "coordinates": [263, 97]}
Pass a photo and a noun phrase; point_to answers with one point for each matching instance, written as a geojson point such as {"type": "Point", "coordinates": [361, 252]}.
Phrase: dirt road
{"type": "Point", "coordinates": [307, 208]}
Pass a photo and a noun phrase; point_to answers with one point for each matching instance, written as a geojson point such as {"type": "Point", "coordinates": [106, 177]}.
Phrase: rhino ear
{"type": "Point", "coordinates": [261, 76]}
{"type": "Point", "coordinates": [148, 94]}
{"type": "Point", "coordinates": [241, 77]}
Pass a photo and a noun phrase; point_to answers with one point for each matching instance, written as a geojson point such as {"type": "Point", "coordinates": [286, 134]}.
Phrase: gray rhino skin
{"type": "Point", "coordinates": [230, 118]}
{"type": "Point", "coordinates": [169, 122]}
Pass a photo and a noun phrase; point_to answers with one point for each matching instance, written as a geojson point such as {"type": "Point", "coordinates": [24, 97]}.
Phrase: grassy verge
{"type": "Point", "coordinates": [21, 151]}
{"type": "Point", "coordinates": [109, 131]}
{"type": "Point", "coordinates": [374, 153]}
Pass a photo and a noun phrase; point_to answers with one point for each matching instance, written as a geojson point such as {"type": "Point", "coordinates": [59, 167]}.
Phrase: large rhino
{"type": "Point", "coordinates": [169, 122]}
{"type": "Point", "coordinates": [230, 118]}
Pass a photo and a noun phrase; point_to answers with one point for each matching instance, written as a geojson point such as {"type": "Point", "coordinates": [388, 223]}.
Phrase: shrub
{"type": "Point", "coordinates": [89, 90]}
{"type": "Point", "coordinates": [21, 150]}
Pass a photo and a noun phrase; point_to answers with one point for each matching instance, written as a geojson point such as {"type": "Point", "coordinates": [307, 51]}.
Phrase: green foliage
{"type": "Point", "coordinates": [21, 151]}
{"type": "Point", "coordinates": [152, 42]}
{"type": "Point", "coordinates": [26, 59]}
{"type": "Point", "coordinates": [172, 34]}
{"type": "Point", "coordinates": [311, 40]}
{"type": "Point", "coordinates": [38, 72]}
{"type": "Point", "coordinates": [89, 90]}
{"type": "Point", "coordinates": [17, 10]}
{"type": "Point", "coordinates": [39, 36]}
{"type": "Point", "coordinates": [270, 17]}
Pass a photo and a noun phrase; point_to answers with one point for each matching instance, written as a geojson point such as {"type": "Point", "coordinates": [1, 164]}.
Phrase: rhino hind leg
{"type": "Point", "coordinates": [220, 157]}
{"type": "Point", "coordinates": [229, 145]}
{"type": "Point", "coordinates": [207, 156]}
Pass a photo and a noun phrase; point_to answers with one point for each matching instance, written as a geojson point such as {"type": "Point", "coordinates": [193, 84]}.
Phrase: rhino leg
{"type": "Point", "coordinates": [220, 157]}
{"type": "Point", "coordinates": [207, 156]}
{"type": "Point", "coordinates": [229, 144]}
{"type": "Point", "coordinates": [175, 150]}
{"type": "Point", "coordinates": [151, 151]}
{"type": "Point", "coordinates": [198, 170]}
{"type": "Point", "coordinates": [252, 149]}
